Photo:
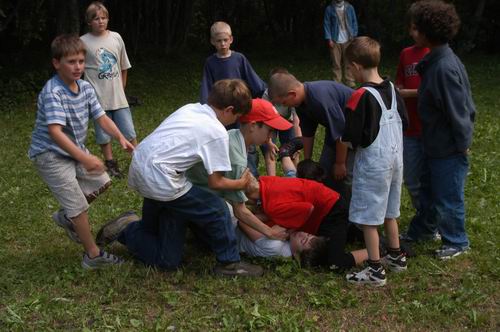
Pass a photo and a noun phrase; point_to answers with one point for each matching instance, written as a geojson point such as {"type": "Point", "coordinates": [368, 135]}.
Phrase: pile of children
{"type": "Point", "coordinates": [192, 171]}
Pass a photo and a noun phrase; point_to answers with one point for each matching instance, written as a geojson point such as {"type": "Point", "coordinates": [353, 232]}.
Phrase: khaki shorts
{"type": "Point", "coordinates": [70, 183]}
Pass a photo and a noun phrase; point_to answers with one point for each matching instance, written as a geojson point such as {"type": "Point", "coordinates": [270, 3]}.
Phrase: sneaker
{"type": "Point", "coordinates": [112, 229]}
{"type": "Point", "coordinates": [289, 148]}
{"type": "Point", "coordinates": [104, 259]}
{"type": "Point", "coordinates": [242, 269]}
{"type": "Point", "coordinates": [448, 252]}
{"type": "Point", "coordinates": [395, 264]}
{"type": "Point", "coordinates": [62, 221]}
{"type": "Point", "coordinates": [368, 276]}
{"type": "Point", "coordinates": [113, 169]}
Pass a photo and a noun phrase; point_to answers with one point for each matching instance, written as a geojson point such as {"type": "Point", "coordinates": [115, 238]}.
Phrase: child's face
{"type": "Point", "coordinates": [99, 23]}
{"type": "Point", "coordinates": [290, 100]}
{"type": "Point", "coordinates": [300, 241]}
{"type": "Point", "coordinates": [222, 43]}
{"type": "Point", "coordinates": [70, 67]}
{"type": "Point", "coordinates": [261, 135]}
{"type": "Point", "coordinates": [417, 36]}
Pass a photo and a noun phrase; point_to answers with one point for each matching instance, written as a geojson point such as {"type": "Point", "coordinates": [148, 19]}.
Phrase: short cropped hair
{"type": "Point", "coordinates": [364, 51]}
{"type": "Point", "coordinates": [317, 255]}
{"type": "Point", "coordinates": [231, 92]}
{"type": "Point", "coordinates": [92, 10]}
{"type": "Point", "coordinates": [220, 27]}
{"type": "Point", "coordinates": [280, 83]}
{"type": "Point", "coordinates": [311, 170]}
{"type": "Point", "coordinates": [438, 21]}
{"type": "Point", "coordinates": [66, 44]}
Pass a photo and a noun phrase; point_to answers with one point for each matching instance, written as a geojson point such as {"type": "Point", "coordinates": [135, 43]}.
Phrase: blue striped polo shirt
{"type": "Point", "coordinates": [57, 104]}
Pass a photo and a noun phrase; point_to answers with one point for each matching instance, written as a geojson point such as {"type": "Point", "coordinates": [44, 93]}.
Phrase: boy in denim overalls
{"type": "Point", "coordinates": [375, 115]}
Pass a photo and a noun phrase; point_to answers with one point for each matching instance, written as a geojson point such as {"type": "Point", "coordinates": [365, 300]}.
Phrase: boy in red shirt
{"type": "Point", "coordinates": [303, 205]}
{"type": "Point", "coordinates": [407, 82]}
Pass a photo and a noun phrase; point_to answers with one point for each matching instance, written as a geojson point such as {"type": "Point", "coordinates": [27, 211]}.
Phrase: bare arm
{"type": "Point", "coordinates": [339, 168]}
{"type": "Point", "coordinates": [109, 127]}
{"type": "Point", "coordinates": [217, 181]}
{"type": "Point", "coordinates": [90, 162]}
{"type": "Point", "coordinates": [244, 215]}
{"type": "Point", "coordinates": [124, 78]}
{"type": "Point", "coordinates": [308, 146]}
{"type": "Point", "coordinates": [408, 93]}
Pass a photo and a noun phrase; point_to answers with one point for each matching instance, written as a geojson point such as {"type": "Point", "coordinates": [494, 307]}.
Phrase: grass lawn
{"type": "Point", "coordinates": [43, 287]}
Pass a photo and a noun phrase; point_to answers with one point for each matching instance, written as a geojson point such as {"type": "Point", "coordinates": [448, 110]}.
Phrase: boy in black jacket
{"type": "Point", "coordinates": [447, 113]}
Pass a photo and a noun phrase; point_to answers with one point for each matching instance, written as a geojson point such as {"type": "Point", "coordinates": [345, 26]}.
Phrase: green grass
{"type": "Point", "coordinates": [42, 286]}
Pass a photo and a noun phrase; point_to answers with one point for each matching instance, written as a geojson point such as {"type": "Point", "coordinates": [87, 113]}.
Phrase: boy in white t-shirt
{"type": "Point", "coordinates": [192, 134]}
{"type": "Point", "coordinates": [106, 65]}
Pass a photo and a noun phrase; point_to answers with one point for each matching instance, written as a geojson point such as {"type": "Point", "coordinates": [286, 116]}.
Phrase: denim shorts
{"type": "Point", "coordinates": [69, 181]}
{"type": "Point", "coordinates": [123, 119]}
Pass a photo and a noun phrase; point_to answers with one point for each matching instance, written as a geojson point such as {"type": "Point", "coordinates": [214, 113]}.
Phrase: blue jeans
{"type": "Point", "coordinates": [123, 120]}
{"type": "Point", "coordinates": [158, 239]}
{"type": "Point", "coordinates": [413, 161]}
{"type": "Point", "coordinates": [327, 160]}
{"type": "Point", "coordinates": [442, 203]}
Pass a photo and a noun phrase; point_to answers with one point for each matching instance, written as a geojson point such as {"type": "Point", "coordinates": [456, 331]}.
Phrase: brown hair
{"type": "Point", "coordinates": [92, 10]}
{"type": "Point", "coordinates": [280, 83]}
{"type": "Point", "coordinates": [316, 255]}
{"type": "Point", "coordinates": [66, 44]}
{"type": "Point", "coordinates": [231, 92]}
{"type": "Point", "coordinates": [364, 51]}
{"type": "Point", "coordinates": [438, 21]}
{"type": "Point", "coordinates": [311, 170]}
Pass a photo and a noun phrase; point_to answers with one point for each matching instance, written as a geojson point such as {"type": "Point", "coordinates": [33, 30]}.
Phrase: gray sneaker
{"type": "Point", "coordinates": [112, 229]}
{"type": "Point", "coordinates": [448, 252]}
{"type": "Point", "coordinates": [103, 260]}
{"type": "Point", "coordinates": [62, 221]}
{"type": "Point", "coordinates": [242, 269]}
{"type": "Point", "coordinates": [395, 264]}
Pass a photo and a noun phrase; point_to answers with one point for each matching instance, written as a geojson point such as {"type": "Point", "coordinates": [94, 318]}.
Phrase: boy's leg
{"type": "Point", "coordinates": [413, 159]}
{"type": "Point", "coordinates": [104, 141]}
{"type": "Point", "coordinates": [336, 57]}
{"type": "Point", "coordinates": [123, 120]}
{"type": "Point", "coordinates": [349, 78]}
{"type": "Point", "coordinates": [448, 182]}
{"type": "Point", "coordinates": [82, 228]}
{"type": "Point", "coordinates": [334, 226]}
{"type": "Point", "coordinates": [157, 239]}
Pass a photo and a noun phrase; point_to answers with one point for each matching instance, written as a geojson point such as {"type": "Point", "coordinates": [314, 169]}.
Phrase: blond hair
{"type": "Point", "coordinates": [280, 83]}
{"type": "Point", "coordinates": [218, 28]}
{"type": "Point", "coordinates": [66, 44]}
{"type": "Point", "coordinates": [364, 51]}
{"type": "Point", "coordinates": [92, 10]}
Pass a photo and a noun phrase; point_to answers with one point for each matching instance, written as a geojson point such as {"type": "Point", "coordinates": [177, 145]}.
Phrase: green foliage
{"type": "Point", "coordinates": [43, 287]}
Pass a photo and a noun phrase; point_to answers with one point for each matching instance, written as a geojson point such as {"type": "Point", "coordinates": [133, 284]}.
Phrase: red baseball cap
{"type": "Point", "coordinates": [264, 111]}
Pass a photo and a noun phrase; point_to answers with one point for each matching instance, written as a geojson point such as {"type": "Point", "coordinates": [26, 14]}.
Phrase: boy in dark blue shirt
{"type": "Point", "coordinates": [318, 103]}
{"type": "Point", "coordinates": [447, 112]}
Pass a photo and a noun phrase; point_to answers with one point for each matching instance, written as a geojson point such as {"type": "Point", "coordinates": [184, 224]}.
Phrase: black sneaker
{"type": "Point", "coordinates": [113, 169]}
{"type": "Point", "coordinates": [395, 264]}
{"type": "Point", "coordinates": [112, 229]}
{"type": "Point", "coordinates": [289, 148]}
{"type": "Point", "coordinates": [242, 269]}
{"type": "Point", "coordinates": [368, 276]}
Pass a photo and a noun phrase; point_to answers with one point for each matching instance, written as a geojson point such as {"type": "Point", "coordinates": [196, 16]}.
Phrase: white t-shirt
{"type": "Point", "coordinates": [190, 135]}
{"type": "Point", "coordinates": [343, 35]}
{"type": "Point", "coordinates": [106, 58]}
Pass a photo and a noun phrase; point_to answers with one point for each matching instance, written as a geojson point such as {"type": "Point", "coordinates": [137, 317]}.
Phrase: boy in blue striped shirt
{"type": "Point", "coordinates": [74, 176]}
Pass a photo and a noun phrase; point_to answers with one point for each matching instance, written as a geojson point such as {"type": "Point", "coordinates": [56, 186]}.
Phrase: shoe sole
{"type": "Point", "coordinates": [101, 240]}
{"type": "Point", "coordinates": [368, 283]}
{"type": "Point", "coordinates": [445, 258]}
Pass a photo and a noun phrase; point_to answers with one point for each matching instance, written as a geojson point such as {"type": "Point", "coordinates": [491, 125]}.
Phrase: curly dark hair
{"type": "Point", "coordinates": [311, 170]}
{"type": "Point", "coordinates": [437, 20]}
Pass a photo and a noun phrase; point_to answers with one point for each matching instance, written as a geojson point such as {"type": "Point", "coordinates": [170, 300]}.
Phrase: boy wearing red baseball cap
{"type": "Point", "coordinates": [256, 127]}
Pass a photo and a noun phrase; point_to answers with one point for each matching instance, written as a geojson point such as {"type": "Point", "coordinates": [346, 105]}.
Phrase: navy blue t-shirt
{"type": "Point", "coordinates": [234, 66]}
{"type": "Point", "coordinates": [324, 104]}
